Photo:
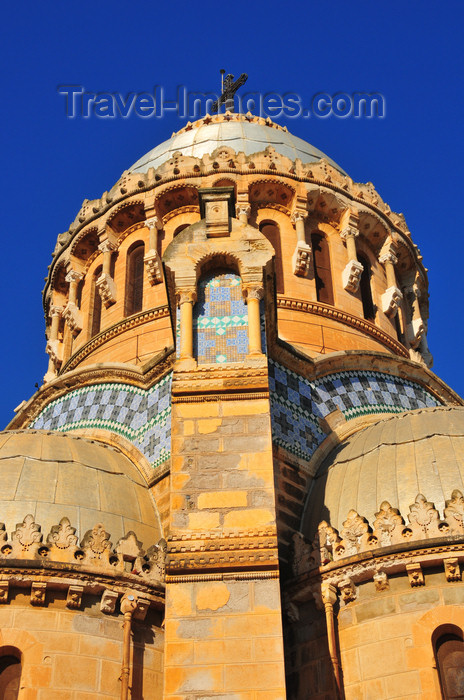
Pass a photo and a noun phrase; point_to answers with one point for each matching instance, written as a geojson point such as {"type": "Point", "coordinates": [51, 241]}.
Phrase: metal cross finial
{"type": "Point", "coordinates": [229, 88]}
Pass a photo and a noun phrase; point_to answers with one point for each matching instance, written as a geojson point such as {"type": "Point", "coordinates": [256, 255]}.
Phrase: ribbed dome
{"type": "Point", "coordinates": [52, 476]}
{"type": "Point", "coordinates": [237, 133]}
{"type": "Point", "coordinates": [393, 460]}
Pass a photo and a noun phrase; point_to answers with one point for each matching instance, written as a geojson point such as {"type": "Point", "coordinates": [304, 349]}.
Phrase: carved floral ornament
{"type": "Point", "coordinates": [95, 549]}
{"type": "Point", "coordinates": [389, 529]}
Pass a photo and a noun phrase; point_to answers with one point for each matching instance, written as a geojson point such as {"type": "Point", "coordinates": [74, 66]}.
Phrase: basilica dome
{"type": "Point", "coordinates": [394, 460]}
{"type": "Point", "coordinates": [239, 133]}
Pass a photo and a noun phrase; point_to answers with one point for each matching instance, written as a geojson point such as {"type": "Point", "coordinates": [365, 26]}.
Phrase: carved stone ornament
{"type": "Point", "coordinates": [108, 602]}
{"type": "Point", "coordinates": [347, 590]}
{"type": "Point", "coordinates": [452, 569]}
{"type": "Point", "coordinates": [107, 289]}
{"type": "Point", "coordinates": [391, 299]}
{"type": "Point", "coordinates": [153, 267]}
{"type": "Point", "coordinates": [73, 317]}
{"type": "Point", "coordinates": [388, 525]}
{"type": "Point", "coordinates": [4, 591]}
{"type": "Point", "coordinates": [242, 209]}
{"type": "Point", "coordinates": [454, 512]}
{"type": "Point", "coordinates": [27, 537]}
{"type": "Point", "coordinates": [424, 518]}
{"type": "Point", "coordinates": [217, 216]}
{"type": "Point", "coordinates": [415, 575]}
{"type": "Point", "coordinates": [141, 608]}
{"type": "Point", "coordinates": [186, 296]}
{"type": "Point", "coordinates": [349, 232]}
{"type": "Point", "coordinates": [54, 349]}
{"type": "Point", "coordinates": [253, 291]}
{"type": "Point", "coordinates": [301, 260]}
{"type": "Point", "coordinates": [63, 535]}
{"type": "Point", "coordinates": [153, 565]}
{"type": "Point", "coordinates": [96, 544]}
{"type": "Point", "coordinates": [388, 257]}
{"type": "Point", "coordinates": [351, 276]}
{"type": "Point", "coordinates": [38, 590]}
{"type": "Point", "coordinates": [415, 331]}
{"type": "Point", "coordinates": [74, 597]}
{"type": "Point", "coordinates": [381, 581]}
{"type": "Point", "coordinates": [354, 533]}
{"type": "Point", "coordinates": [154, 222]}
{"type": "Point", "coordinates": [129, 547]}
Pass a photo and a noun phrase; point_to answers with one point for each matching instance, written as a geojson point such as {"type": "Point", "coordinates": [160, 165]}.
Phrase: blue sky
{"type": "Point", "coordinates": [410, 52]}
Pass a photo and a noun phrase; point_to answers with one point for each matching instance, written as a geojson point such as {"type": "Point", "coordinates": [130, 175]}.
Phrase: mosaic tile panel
{"type": "Point", "coordinates": [220, 320]}
{"type": "Point", "coordinates": [297, 403]}
{"type": "Point", "coordinates": [143, 417]}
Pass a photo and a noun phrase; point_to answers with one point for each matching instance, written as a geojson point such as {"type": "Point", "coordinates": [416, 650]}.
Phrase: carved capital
{"type": "Point", "coordinates": [253, 291]}
{"type": "Point", "coordinates": [301, 260]}
{"type": "Point", "coordinates": [74, 276]}
{"type": "Point", "coordinates": [415, 575]}
{"type": "Point", "coordinates": [186, 296]}
{"type": "Point", "coordinates": [242, 209]}
{"type": "Point", "coordinates": [328, 593]}
{"type": "Point", "coordinates": [107, 246]}
{"type": "Point", "coordinates": [299, 215]}
{"type": "Point", "coordinates": [153, 267]}
{"type": "Point", "coordinates": [391, 300]}
{"type": "Point", "coordinates": [55, 311]}
{"type": "Point", "coordinates": [349, 232]}
{"type": "Point", "coordinates": [154, 222]}
{"type": "Point", "coordinates": [388, 257]}
{"type": "Point", "coordinates": [107, 289]}
{"type": "Point", "coordinates": [351, 276]}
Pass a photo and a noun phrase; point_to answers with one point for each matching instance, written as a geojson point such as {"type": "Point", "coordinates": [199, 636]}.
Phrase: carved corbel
{"type": "Point", "coordinates": [74, 597]}
{"type": "Point", "coordinates": [347, 590]}
{"type": "Point", "coordinates": [54, 348]}
{"type": "Point", "coordinates": [416, 328]}
{"type": "Point", "coordinates": [381, 581]}
{"type": "Point", "coordinates": [108, 602]}
{"type": "Point", "coordinates": [452, 569]}
{"type": "Point", "coordinates": [105, 283]}
{"type": "Point", "coordinates": [415, 575]}
{"type": "Point", "coordinates": [71, 313]}
{"type": "Point", "coordinates": [152, 259]}
{"type": "Point", "coordinates": [302, 256]}
{"type": "Point", "coordinates": [4, 591]}
{"type": "Point", "coordinates": [391, 299]}
{"type": "Point", "coordinates": [141, 609]}
{"type": "Point", "coordinates": [38, 590]}
{"type": "Point", "coordinates": [351, 276]}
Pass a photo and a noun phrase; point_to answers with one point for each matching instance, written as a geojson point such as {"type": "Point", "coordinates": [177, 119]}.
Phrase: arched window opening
{"type": "Point", "coordinates": [180, 228]}
{"type": "Point", "coordinates": [366, 290]}
{"type": "Point", "coordinates": [272, 233]}
{"type": "Point", "coordinates": [220, 319]}
{"type": "Point", "coordinates": [10, 673]}
{"type": "Point", "coordinates": [134, 279]}
{"type": "Point", "coordinates": [449, 655]}
{"type": "Point", "coordinates": [96, 304]}
{"type": "Point", "coordinates": [322, 271]}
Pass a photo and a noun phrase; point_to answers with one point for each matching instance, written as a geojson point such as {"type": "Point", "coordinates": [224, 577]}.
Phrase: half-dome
{"type": "Point", "coordinates": [238, 133]}
{"type": "Point", "coordinates": [53, 475]}
{"type": "Point", "coordinates": [394, 460]}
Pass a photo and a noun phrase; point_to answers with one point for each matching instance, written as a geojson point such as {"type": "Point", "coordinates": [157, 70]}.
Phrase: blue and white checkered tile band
{"type": "Point", "coordinates": [143, 417]}
{"type": "Point", "coordinates": [297, 403]}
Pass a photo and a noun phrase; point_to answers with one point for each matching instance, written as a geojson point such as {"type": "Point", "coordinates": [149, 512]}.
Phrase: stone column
{"type": "Point", "coordinates": [301, 260]}
{"type": "Point", "coordinates": [351, 275]}
{"type": "Point", "coordinates": [243, 211]}
{"type": "Point", "coordinates": [392, 297]}
{"type": "Point", "coordinates": [71, 313]}
{"type": "Point", "coordinates": [253, 295]}
{"type": "Point", "coordinates": [329, 598]}
{"type": "Point", "coordinates": [152, 260]}
{"type": "Point", "coordinates": [105, 283]}
{"type": "Point", "coordinates": [186, 300]}
{"type": "Point", "coordinates": [54, 348]}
